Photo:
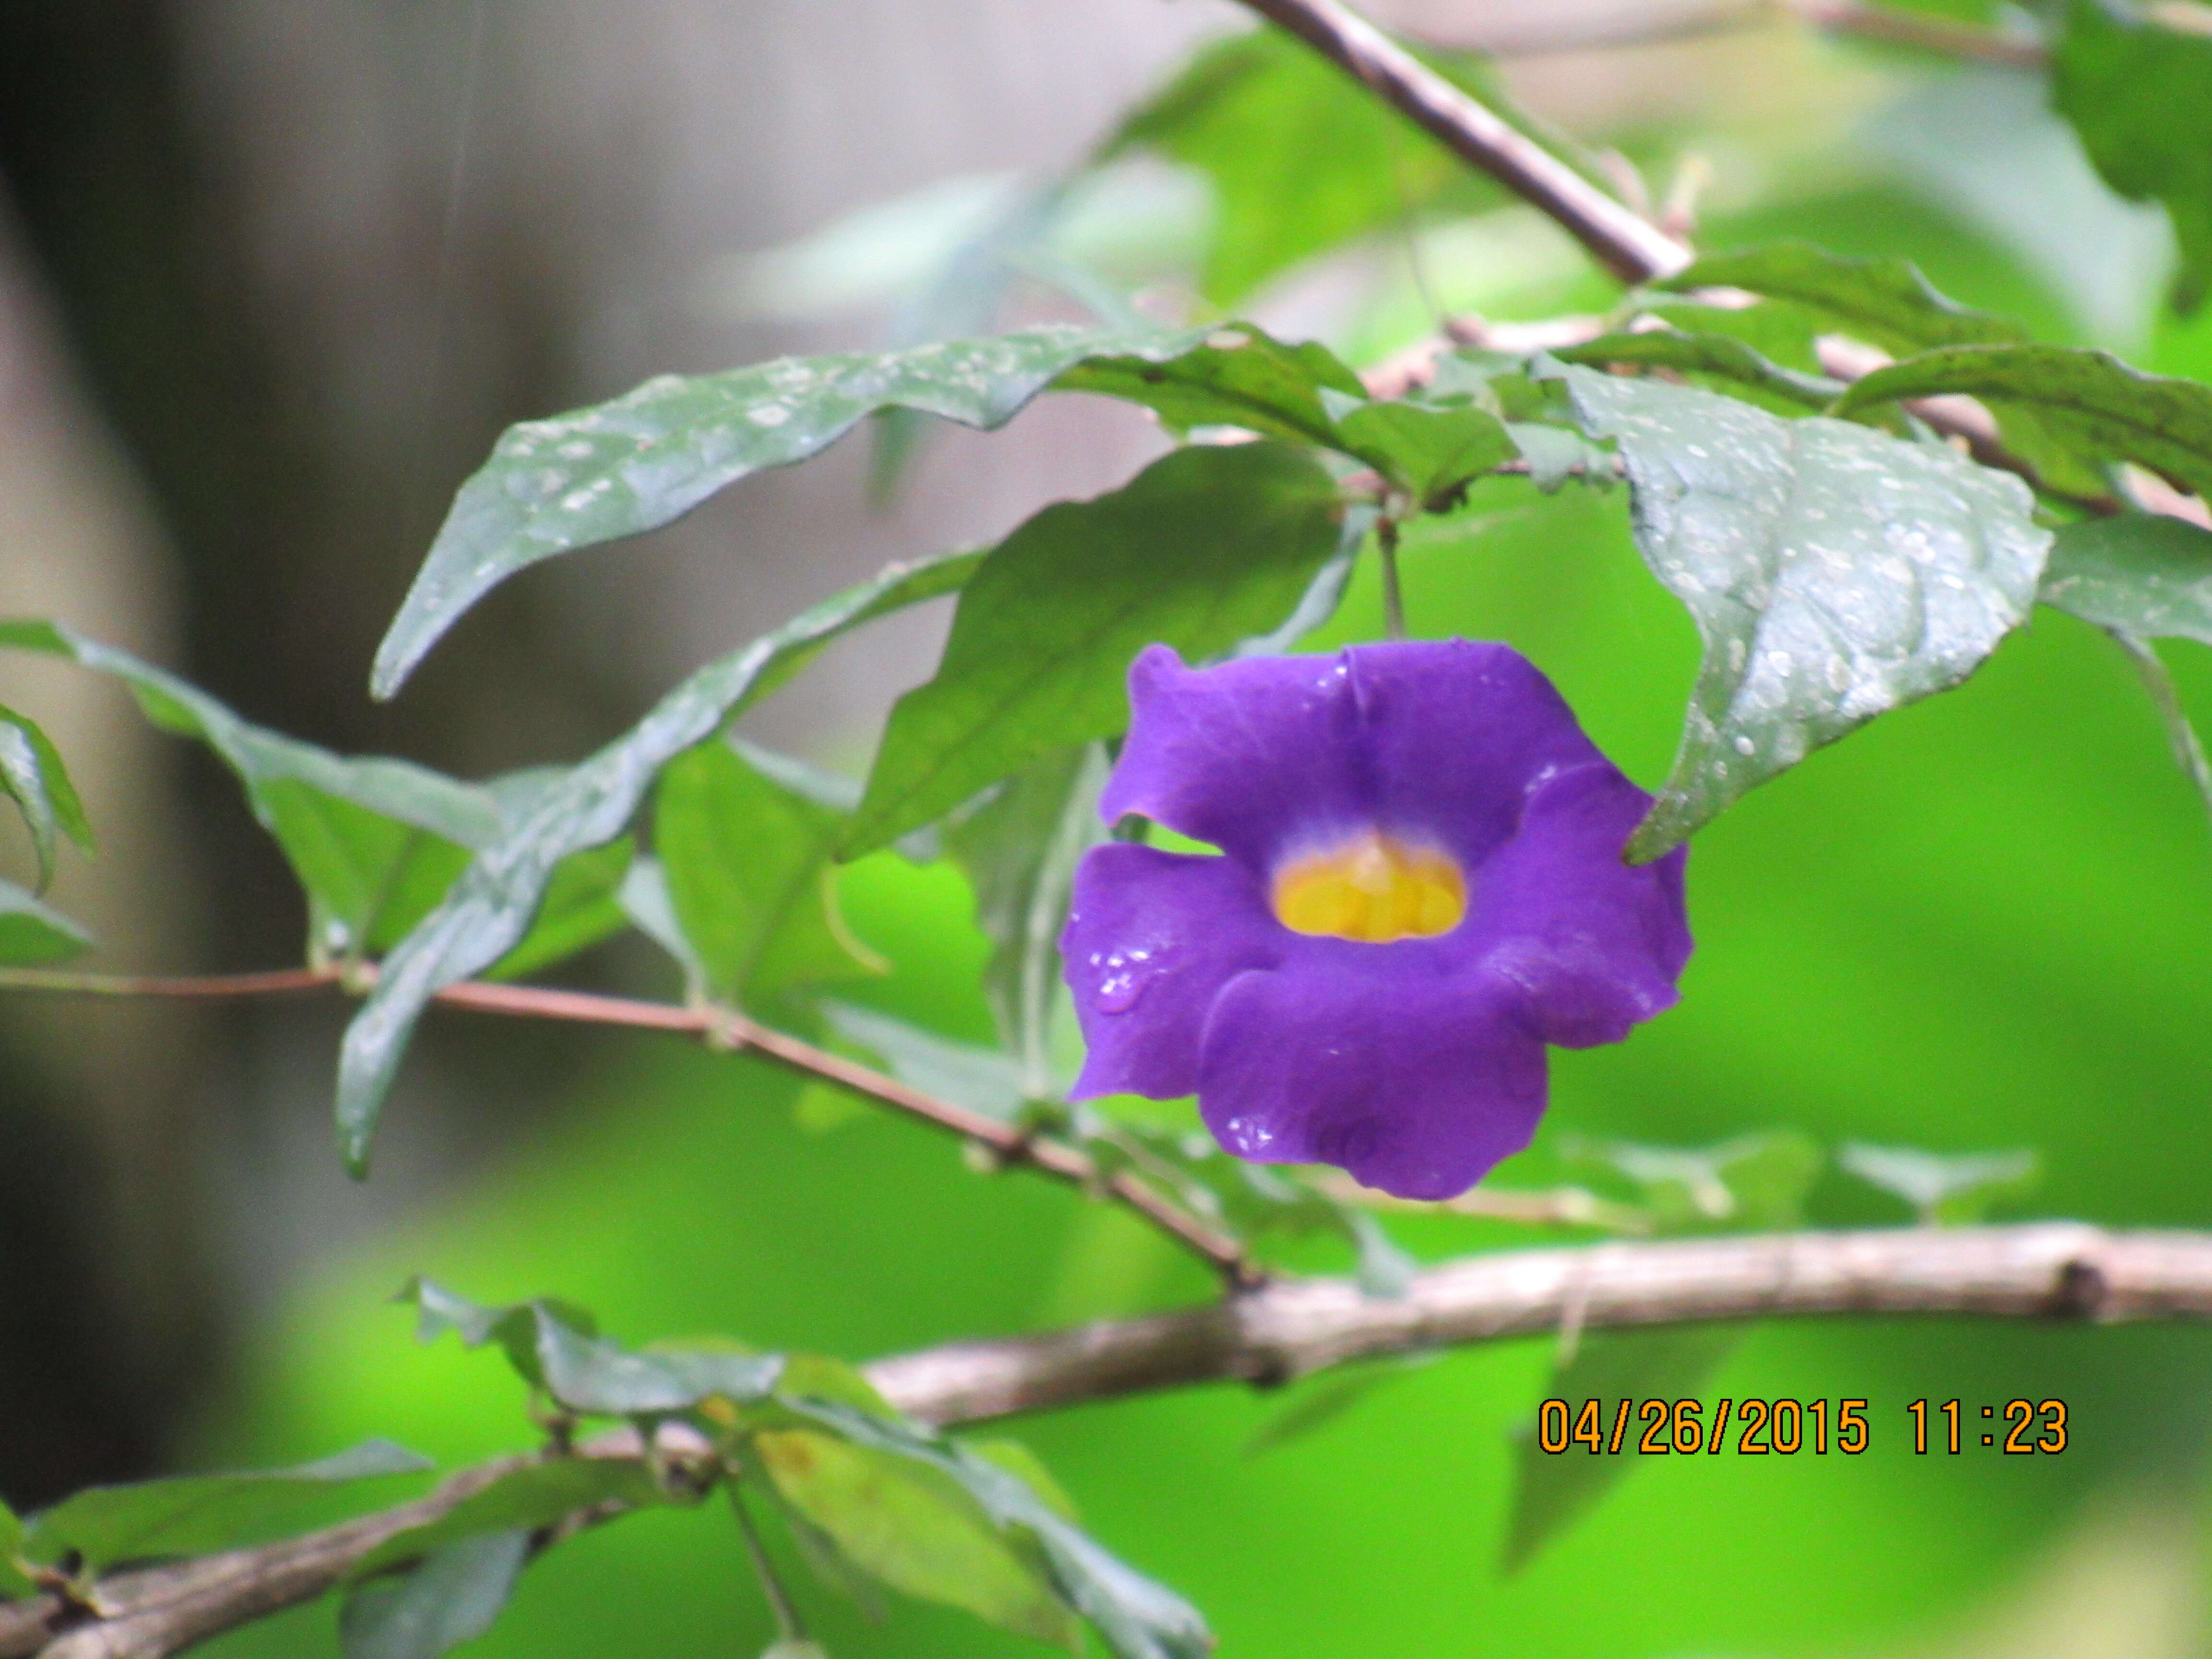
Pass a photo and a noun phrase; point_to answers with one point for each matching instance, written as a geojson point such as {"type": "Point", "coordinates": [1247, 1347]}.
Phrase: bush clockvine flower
{"type": "Point", "coordinates": [1419, 887]}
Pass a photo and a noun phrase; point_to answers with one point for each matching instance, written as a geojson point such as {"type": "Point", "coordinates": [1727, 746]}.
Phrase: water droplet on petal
{"type": "Point", "coordinates": [1126, 975]}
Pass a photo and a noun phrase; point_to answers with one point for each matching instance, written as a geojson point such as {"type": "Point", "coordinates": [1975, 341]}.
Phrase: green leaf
{"type": "Point", "coordinates": [751, 879]}
{"type": "Point", "coordinates": [489, 908]}
{"type": "Point", "coordinates": [1018, 1461]}
{"type": "Point", "coordinates": [31, 773]}
{"type": "Point", "coordinates": [452, 1596]}
{"type": "Point", "coordinates": [1781, 334]}
{"type": "Point", "coordinates": [2140, 96]}
{"type": "Point", "coordinates": [197, 1515]}
{"type": "Point", "coordinates": [1301, 157]}
{"type": "Point", "coordinates": [650, 456]}
{"type": "Point", "coordinates": [1018, 851]}
{"type": "Point", "coordinates": [522, 1499]}
{"type": "Point", "coordinates": [915, 1527]}
{"type": "Point", "coordinates": [1887, 303]}
{"type": "Point", "coordinates": [1206, 547]}
{"type": "Point", "coordinates": [1138, 1618]}
{"type": "Point", "coordinates": [1551, 1489]}
{"type": "Point", "coordinates": [33, 933]}
{"type": "Point", "coordinates": [555, 1348]}
{"type": "Point", "coordinates": [2060, 406]}
{"type": "Point", "coordinates": [365, 835]}
{"type": "Point", "coordinates": [1238, 375]}
{"type": "Point", "coordinates": [1432, 453]}
{"type": "Point", "coordinates": [582, 905]}
{"type": "Point", "coordinates": [2144, 574]}
{"type": "Point", "coordinates": [1945, 1191]}
{"type": "Point", "coordinates": [1719, 361]}
{"type": "Point", "coordinates": [1834, 573]}
{"type": "Point", "coordinates": [1749, 1183]}
{"type": "Point", "coordinates": [14, 1583]}
{"type": "Point", "coordinates": [981, 1080]}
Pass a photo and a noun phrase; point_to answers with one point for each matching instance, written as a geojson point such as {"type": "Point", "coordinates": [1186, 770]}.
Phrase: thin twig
{"type": "Point", "coordinates": [726, 1028]}
{"type": "Point", "coordinates": [2046, 1270]}
{"type": "Point", "coordinates": [282, 981]}
{"type": "Point", "coordinates": [1631, 249]}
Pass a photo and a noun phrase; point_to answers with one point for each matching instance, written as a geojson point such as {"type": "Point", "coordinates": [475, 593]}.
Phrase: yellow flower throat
{"type": "Point", "coordinates": [1373, 888]}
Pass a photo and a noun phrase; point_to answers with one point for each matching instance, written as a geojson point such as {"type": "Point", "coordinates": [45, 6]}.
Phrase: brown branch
{"type": "Point", "coordinates": [281, 981]}
{"type": "Point", "coordinates": [2049, 1270]}
{"type": "Point", "coordinates": [1006, 1143]}
{"type": "Point", "coordinates": [1631, 247]}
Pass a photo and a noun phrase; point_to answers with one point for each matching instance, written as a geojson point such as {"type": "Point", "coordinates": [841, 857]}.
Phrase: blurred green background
{"type": "Point", "coordinates": [1981, 923]}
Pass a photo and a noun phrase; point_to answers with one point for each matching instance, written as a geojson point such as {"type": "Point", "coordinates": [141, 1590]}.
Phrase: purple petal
{"type": "Point", "coordinates": [1272, 756]}
{"type": "Point", "coordinates": [1415, 1083]}
{"type": "Point", "coordinates": [1151, 938]}
{"type": "Point", "coordinates": [1595, 944]}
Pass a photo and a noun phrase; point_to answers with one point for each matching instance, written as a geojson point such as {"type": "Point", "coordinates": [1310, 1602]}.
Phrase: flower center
{"type": "Point", "coordinates": [1373, 888]}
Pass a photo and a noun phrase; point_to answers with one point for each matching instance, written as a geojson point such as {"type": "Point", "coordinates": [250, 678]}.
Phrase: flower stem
{"type": "Point", "coordinates": [1394, 596]}
{"type": "Point", "coordinates": [790, 1628]}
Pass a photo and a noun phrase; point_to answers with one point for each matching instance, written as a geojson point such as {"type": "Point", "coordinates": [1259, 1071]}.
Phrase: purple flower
{"type": "Point", "coordinates": [1419, 887]}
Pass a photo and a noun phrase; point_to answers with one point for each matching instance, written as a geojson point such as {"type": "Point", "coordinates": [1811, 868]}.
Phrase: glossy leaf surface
{"type": "Point", "coordinates": [2086, 404]}
{"type": "Point", "coordinates": [490, 907]}
{"type": "Point", "coordinates": [31, 773]}
{"type": "Point", "coordinates": [1834, 573]}
{"type": "Point", "coordinates": [647, 458]}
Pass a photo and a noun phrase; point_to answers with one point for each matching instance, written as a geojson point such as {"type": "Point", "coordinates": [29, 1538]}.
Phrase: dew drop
{"type": "Point", "coordinates": [1126, 973]}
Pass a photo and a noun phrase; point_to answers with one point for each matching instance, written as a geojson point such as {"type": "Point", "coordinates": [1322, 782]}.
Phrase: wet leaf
{"type": "Point", "coordinates": [489, 908]}
{"type": "Point", "coordinates": [1431, 451]}
{"type": "Point", "coordinates": [1834, 573]}
{"type": "Point", "coordinates": [2143, 574]}
{"type": "Point", "coordinates": [198, 1514]}
{"type": "Point", "coordinates": [1206, 547]}
{"type": "Point", "coordinates": [2139, 95]}
{"type": "Point", "coordinates": [582, 905]}
{"type": "Point", "coordinates": [31, 773]}
{"type": "Point", "coordinates": [647, 458]}
{"type": "Point", "coordinates": [916, 1528]}
{"type": "Point", "coordinates": [1945, 1190]}
{"type": "Point", "coordinates": [1238, 375]}
{"type": "Point", "coordinates": [2068, 411]}
{"type": "Point", "coordinates": [452, 1597]}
